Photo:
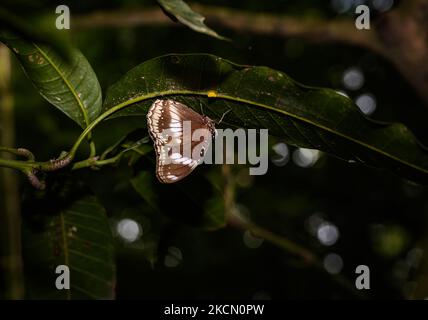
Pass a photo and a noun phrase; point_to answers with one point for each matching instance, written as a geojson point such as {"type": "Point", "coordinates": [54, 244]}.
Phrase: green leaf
{"type": "Point", "coordinates": [183, 13]}
{"type": "Point", "coordinates": [71, 86]}
{"type": "Point", "coordinates": [260, 97]}
{"type": "Point", "coordinates": [77, 236]}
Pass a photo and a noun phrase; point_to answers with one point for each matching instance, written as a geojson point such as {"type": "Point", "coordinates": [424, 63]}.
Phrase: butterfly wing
{"type": "Point", "coordinates": [169, 115]}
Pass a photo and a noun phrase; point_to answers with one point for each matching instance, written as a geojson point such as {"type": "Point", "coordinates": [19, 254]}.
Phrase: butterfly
{"type": "Point", "coordinates": [167, 122]}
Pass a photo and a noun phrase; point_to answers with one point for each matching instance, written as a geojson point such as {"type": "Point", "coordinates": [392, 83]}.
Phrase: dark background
{"type": "Point", "coordinates": [381, 219]}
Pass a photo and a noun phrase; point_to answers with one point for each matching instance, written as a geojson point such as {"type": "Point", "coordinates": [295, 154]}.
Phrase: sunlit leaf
{"type": "Point", "coordinates": [260, 97]}
{"type": "Point", "coordinates": [180, 10]}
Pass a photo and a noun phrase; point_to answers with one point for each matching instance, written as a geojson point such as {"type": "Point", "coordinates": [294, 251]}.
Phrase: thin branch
{"type": "Point", "coordinates": [398, 35]}
{"type": "Point", "coordinates": [124, 18]}
{"type": "Point", "coordinates": [239, 21]}
{"type": "Point", "coordinates": [308, 257]}
{"type": "Point", "coordinates": [19, 152]}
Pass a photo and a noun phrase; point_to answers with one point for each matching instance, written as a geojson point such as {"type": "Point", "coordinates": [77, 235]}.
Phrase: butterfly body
{"type": "Point", "coordinates": [166, 121]}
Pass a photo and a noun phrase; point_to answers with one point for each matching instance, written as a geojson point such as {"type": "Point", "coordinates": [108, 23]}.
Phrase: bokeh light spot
{"type": "Point", "coordinates": [382, 5]}
{"type": "Point", "coordinates": [314, 222]}
{"type": "Point", "coordinates": [282, 154]}
{"type": "Point", "coordinates": [251, 241]}
{"type": "Point", "coordinates": [327, 234]}
{"type": "Point", "coordinates": [367, 103]}
{"type": "Point", "coordinates": [305, 158]}
{"type": "Point", "coordinates": [389, 241]}
{"type": "Point", "coordinates": [333, 263]}
{"type": "Point", "coordinates": [129, 230]}
{"type": "Point", "coordinates": [173, 258]}
{"type": "Point", "coordinates": [353, 78]}
{"type": "Point", "coordinates": [341, 6]}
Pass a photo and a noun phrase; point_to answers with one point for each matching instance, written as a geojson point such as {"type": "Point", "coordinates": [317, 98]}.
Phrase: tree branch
{"type": "Point", "coordinates": [238, 21]}
{"type": "Point", "coordinates": [10, 216]}
{"type": "Point", "coordinates": [234, 219]}
{"type": "Point", "coordinates": [399, 35]}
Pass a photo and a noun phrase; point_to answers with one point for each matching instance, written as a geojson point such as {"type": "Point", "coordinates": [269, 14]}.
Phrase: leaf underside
{"type": "Point", "coordinates": [260, 97]}
{"type": "Point", "coordinates": [79, 237]}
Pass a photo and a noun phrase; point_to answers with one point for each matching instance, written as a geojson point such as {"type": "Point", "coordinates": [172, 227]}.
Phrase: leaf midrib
{"type": "Point", "coordinates": [245, 101]}
{"type": "Point", "coordinates": [67, 83]}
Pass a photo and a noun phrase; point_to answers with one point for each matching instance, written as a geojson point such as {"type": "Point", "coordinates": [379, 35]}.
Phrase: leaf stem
{"type": "Point", "coordinates": [19, 152]}
{"type": "Point", "coordinates": [13, 164]}
{"type": "Point", "coordinates": [94, 162]}
{"type": "Point", "coordinates": [93, 150]}
{"type": "Point", "coordinates": [93, 124]}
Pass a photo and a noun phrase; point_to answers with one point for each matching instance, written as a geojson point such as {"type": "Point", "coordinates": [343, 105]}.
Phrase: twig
{"type": "Point", "coordinates": [237, 221]}
{"type": "Point", "coordinates": [240, 22]}
{"type": "Point", "coordinates": [19, 152]}
{"type": "Point", "coordinates": [398, 35]}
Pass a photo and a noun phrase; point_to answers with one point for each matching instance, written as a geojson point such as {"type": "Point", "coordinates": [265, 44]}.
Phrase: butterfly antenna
{"type": "Point", "coordinates": [222, 117]}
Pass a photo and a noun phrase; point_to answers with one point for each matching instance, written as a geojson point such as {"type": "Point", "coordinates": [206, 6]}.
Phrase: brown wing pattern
{"type": "Point", "coordinates": [169, 115]}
